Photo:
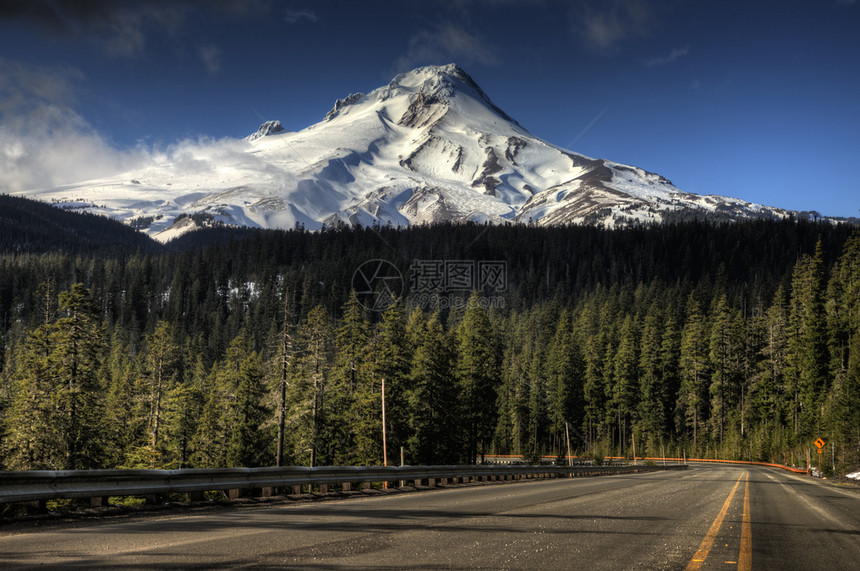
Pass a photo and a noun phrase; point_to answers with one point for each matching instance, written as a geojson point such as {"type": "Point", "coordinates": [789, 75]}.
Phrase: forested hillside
{"type": "Point", "coordinates": [740, 341]}
{"type": "Point", "coordinates": [32, 226]}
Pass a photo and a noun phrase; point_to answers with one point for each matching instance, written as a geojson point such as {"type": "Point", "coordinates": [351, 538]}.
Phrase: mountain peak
{"type": "Point", "coordinates": [451, 70]}
{"type": "Point", "coordinates": [440, 83]}
{"type": "Point", "coordinates": [266, 129]}
{"type": "Point", "coordinates": [340, 104]}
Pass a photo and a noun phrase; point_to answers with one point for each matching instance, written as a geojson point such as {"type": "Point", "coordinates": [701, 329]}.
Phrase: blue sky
{"type": "Point", "coordinates": [757, 99]}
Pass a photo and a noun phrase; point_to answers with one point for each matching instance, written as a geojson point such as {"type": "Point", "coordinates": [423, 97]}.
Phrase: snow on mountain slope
{"type": "Point", "coordinates": [428, 147]}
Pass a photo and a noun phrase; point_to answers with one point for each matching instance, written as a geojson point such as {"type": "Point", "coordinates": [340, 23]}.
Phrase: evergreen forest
{"type": "Point", "coordinates": [732, 340]}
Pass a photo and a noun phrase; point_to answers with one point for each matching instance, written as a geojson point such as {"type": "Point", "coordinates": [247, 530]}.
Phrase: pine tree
{"type": "Point", "coordinates": [725, 351]}
{"type": "Point", "coordinates": [349, 380]}
{"type": "Point", "coordinates": [432, 397]}
{"type": "Point", "coordinates": [313, 408]}
{"type": "Point", "coordinates": [513, 392]}
{"type": "Point", "coordinates": [391, 360]}
{"type": "Point", "coordinates": [124, 423]}
{"type": "Point", "coordinates": [285, 361]}
{"type": "Point", "coordinates": [537, 403]}
{"type": "Point", "coordinates": [843, 319]}
{"type": "Point", "coordinates": [564, 378]}
{"type": "Point", "coordinates": [694, 369]}
{"type": "Point", "coordinates": [478, 375]}
{"type": "Point", "coordinates": [770, 393]}
{"type": "Point", "coordinates": [182, 410]}
{"type": "Point", "coordinates": [808, 357]}
{"type": "Point", "coordinates": [670, 350]}
{"type": "Point", "coordinates": [249, 442]}
{"type": "Point", "coordinates": [625, 377]}
{"type": "Point", "coordinates": [30, 440]}
{"type": "Point", "coordinates": [161, 361]}
{"type": "Point", "coordinates": [652, 385]}
{"type": "Point", "coordinates": [219, 420]}
{"type": "Point", "coordinates": [57, 416]}
{"type": "Point", "coordinates": [594, 391]}
{"type": "Point", "coordinates": [77, 354]}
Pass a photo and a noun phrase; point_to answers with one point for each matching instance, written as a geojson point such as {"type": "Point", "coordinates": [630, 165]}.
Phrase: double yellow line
{"type": "Point", "coordinates": [745, 556]}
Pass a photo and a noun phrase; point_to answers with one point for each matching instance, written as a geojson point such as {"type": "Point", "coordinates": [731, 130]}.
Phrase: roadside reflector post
{"type": "Point", "coordinates": [402, 463]}
{"type": "Point", "coordinates": [819, 443]}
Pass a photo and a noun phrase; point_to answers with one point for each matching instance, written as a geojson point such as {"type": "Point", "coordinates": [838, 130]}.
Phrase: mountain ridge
{"type": "Point", "coordinates": [429, 146]}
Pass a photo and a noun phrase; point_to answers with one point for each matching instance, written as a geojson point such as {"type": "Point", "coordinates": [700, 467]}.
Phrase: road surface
{"type": "Point", "coordinates": [708, 517]}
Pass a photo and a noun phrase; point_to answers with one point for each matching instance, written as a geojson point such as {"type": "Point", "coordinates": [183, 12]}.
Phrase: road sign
{"type": "Point", "coordinates": [820, 443]}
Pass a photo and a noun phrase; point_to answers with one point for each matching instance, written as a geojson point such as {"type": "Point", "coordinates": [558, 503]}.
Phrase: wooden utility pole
{"type": "Point", "coordinates": [286, 343]}
{"type": "Point", "coordinates": [567, 434]}
{"type": "Point", "coordinates": [633, 435]}
{"type": "Point", "coordinates": [384, 440]}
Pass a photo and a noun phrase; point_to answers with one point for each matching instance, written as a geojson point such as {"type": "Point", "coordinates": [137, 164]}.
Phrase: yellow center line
{"type": "Point", "coordinates": [711, 536]}
{"type": "Point", "coordinates": [745, 557]}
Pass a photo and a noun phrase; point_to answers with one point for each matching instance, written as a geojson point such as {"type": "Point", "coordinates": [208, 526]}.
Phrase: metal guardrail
{"type": "Point", "coordinates": [621, 460]}
{"type": "Point", "coordinates": [40, 485]}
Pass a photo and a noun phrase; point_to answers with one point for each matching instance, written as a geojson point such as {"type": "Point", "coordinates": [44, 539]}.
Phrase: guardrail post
{"type": "Point", "coordinates": [99, 502]}
{"type": "Point", "coordinates": [431, 482]}
{"type": "Point", "coordinates": [267, 491]}
{"type": "Point", "coordinates": [417, 482]}
{"type": "Point", "coordinates": [234, 494]}
{"type": "Point", "coordinates": [346, 486]}
{"type": "Point", "coordinates": [323, 488]}
{"type": "Point", "coordinates": [297, 489]}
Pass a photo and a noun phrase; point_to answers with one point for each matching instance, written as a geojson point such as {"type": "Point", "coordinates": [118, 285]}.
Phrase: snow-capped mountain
{"type": "Point", "coordinates": [430, 146]}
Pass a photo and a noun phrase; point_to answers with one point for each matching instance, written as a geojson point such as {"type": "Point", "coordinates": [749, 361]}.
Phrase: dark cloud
{"type": "Point", "coordinates": [121, 27]}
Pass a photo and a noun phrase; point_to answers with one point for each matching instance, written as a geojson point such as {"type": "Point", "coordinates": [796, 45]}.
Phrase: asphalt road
{"type": "Point", "coordinates": [708, 517]}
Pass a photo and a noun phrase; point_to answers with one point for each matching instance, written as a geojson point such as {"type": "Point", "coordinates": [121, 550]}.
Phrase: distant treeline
{"type": "Point", "coordinates": [737, 340]}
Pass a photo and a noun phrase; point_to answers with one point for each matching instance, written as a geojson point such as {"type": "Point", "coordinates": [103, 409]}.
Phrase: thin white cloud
{"type": "Point", "coordinates": [605, 26]}
{"type": "Point", "coordinates": [211, 58]}
{"type": "Point", "coordinates": [298, 16]}
{"type": "Point", "coordinates": [671, 57]}
{"type": "Point", "coordinates": [445, 44]}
